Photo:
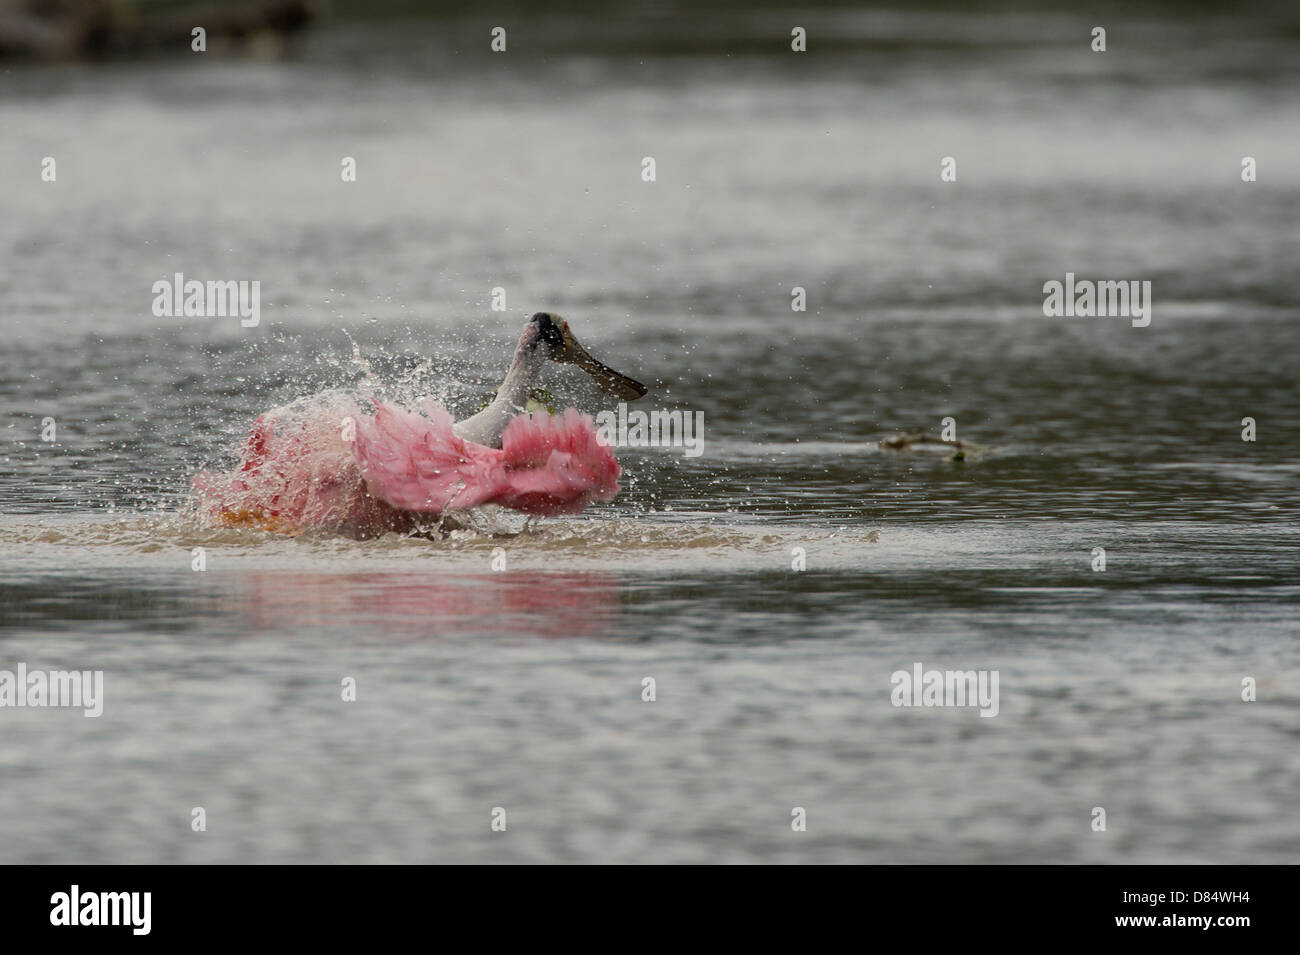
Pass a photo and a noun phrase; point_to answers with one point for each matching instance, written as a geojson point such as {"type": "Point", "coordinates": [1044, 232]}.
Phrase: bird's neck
{"type": "Point", "coordinates": [486, 426]}
{"type": "Point", "coordinates": [525, 371]}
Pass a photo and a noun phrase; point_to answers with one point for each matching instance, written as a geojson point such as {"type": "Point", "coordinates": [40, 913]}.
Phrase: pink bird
{"type": "Point", "coordinates": [328, 463]}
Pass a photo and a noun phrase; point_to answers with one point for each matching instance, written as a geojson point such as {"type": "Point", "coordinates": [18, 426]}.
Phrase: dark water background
{"type": "Point", "coordinates": [522, 689]}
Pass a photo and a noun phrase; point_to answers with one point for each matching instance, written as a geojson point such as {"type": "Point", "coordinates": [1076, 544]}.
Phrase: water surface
{"type": "Point", "coordinates": [523, 689]}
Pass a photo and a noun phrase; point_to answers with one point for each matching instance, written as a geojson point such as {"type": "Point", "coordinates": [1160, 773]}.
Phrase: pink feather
{"type": "Point", "coordinates": [298, 473]}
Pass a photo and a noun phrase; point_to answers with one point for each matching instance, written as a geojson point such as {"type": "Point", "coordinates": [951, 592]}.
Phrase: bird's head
{"type": "Point", "coordinates": [548, 331]}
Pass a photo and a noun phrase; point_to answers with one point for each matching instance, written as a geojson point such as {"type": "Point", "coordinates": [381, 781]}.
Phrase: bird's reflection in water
{"type": "Point", "coordinates": [430, 605]}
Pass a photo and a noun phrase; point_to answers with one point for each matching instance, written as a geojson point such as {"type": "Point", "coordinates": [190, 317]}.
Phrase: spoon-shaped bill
{"type": "Point", "coordinates": [611, 382]}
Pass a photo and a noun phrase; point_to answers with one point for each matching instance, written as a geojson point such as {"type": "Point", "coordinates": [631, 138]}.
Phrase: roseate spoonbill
{"type": "Point", "coordinates": [546, 336]}
{"type": "Point", "coordinates": [364, 467]}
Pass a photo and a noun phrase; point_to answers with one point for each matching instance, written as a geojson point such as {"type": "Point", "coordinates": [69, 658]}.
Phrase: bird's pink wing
{"type": "Point", "coordinates": [417, 463]}
{"type": "Point", "coordinates": [300, 471]}
{"type": "Point", "coordinates": [546, 465]}
{"type": "Point", "coordinates": [555, 464]}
